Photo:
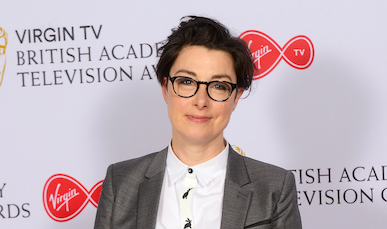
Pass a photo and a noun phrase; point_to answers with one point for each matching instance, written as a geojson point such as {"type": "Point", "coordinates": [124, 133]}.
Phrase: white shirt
{"type": "Point", "coordinates": [207, 199]}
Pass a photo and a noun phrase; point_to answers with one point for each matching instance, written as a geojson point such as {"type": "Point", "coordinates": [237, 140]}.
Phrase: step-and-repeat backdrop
{"type": "Point", "coordinates": [79, 92]}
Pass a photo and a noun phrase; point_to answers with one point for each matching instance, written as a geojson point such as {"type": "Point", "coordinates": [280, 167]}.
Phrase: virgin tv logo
{"type": "Point", "coordinates": [298, 52]}
{"type": "Point", "coordinates": [64, 197]}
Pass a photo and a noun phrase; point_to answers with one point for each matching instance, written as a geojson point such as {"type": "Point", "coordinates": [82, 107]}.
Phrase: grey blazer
{"type": "Point", "coordinates": [256, 195]}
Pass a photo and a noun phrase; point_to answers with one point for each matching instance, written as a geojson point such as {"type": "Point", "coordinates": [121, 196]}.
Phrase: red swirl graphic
{"type": "Point", "coordinates": [298, 52]}
{"type": "Point", "coordinates": [64, 197]}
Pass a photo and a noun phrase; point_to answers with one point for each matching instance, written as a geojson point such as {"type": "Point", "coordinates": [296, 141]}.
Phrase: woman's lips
{"type": "Point", "coordinates": [198, 119]}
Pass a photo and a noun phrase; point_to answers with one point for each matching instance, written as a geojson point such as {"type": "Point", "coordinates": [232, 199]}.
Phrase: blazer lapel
{"type": "Point", "coordinates": [236, 199]}
{"type": "Point", "coordinates": [149, 192]}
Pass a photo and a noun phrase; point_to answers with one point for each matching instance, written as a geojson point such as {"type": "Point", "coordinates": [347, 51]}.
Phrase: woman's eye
{"type": "Point", "coordinates": [185, 81]}
{"type": "Point", "coordinates": [220, 86]}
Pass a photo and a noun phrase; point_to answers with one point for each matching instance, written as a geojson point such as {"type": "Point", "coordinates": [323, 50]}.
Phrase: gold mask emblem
{"type": "Point", "coordinates": [3, 46]}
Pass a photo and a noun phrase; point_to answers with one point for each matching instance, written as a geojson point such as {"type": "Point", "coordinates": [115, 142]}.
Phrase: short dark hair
{"type": "Point", "coordinates": [211, 34]}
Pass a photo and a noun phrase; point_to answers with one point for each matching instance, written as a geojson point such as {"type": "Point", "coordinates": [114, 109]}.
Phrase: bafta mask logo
{"type": "Point", "coordinates": [3, 46]}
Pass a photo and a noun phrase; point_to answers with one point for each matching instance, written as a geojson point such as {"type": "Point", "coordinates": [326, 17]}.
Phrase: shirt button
{"type": "Point", "coordinates": [190, 170]}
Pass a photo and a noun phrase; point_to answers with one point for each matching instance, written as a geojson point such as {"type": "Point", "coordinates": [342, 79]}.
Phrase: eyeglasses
{"type": "Point", "coordinates": [187, 87]}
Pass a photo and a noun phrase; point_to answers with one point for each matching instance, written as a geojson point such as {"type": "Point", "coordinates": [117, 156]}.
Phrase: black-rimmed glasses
{"type": "Point", "coordinates": [187, 87]}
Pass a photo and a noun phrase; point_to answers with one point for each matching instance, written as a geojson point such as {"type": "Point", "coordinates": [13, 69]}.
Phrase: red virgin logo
{"type": "Point", "coordinates": [298, 52]}
{"type": "Point", "coordinates": [64, 197]}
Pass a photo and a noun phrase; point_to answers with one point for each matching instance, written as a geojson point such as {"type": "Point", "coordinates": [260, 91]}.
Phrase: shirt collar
{"type": "Point", "coordinates": [204, 172]}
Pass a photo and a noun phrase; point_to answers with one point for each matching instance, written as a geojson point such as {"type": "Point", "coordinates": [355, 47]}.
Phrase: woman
{"type": "Point", "coordinates": [199, 181]}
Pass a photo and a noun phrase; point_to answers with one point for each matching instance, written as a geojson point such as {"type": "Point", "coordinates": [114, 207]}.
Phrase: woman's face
{"type": "Point", "coordinates": [199, 119]}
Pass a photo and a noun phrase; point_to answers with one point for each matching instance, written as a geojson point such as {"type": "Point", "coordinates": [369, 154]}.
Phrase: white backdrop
{"type": "Point", "coordinates": [328, 119]}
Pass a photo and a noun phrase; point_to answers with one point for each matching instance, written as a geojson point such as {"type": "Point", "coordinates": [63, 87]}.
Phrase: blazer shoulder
{"type": "Point", "coordinates": [261, 166]}
{"type": "Point", "coordinates": [146, 159]}
{"type": "Point", "coordinates": [138, 167]}
{"type": "Point", "coordinates": [265, 172]}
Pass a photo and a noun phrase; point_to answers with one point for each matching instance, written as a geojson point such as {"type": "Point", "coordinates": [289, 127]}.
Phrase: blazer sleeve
{"type": "Point", "coordinates": [286, 214]}
{"type": "Point", "coordinates": [106, 202]}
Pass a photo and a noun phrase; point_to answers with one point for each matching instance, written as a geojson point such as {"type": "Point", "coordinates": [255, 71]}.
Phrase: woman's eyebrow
{"type": "Point", "coordinates": [186, 71]}
{"type": "Point", "coordinates": [221, 77]}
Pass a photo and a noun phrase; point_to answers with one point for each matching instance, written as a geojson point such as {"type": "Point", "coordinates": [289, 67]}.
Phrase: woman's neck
{"type": "Point", "coordinates": [194, 153]}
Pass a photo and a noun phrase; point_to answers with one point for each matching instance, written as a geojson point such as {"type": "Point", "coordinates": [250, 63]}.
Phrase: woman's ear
{"type": "Point", "coordinates": [164, 89]}
{"type": "Point", "coordinates": [237, 97]}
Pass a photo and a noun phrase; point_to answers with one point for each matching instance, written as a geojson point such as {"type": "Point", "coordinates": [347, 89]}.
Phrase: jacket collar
{"type": "Point", "coordinates": [236, 168]}
{"type": "Point", "coordinates": [158, 164]}
{"type": "Point", "coordinates": [149, 192]}
{"type": "Point", "coordinates": [236, 199]}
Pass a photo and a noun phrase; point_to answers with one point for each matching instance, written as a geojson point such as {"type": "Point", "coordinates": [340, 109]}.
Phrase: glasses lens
{"type": "Point", "coordinates": [219, 90]}
{"type": "Point", "coordinates": [185, 86]}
